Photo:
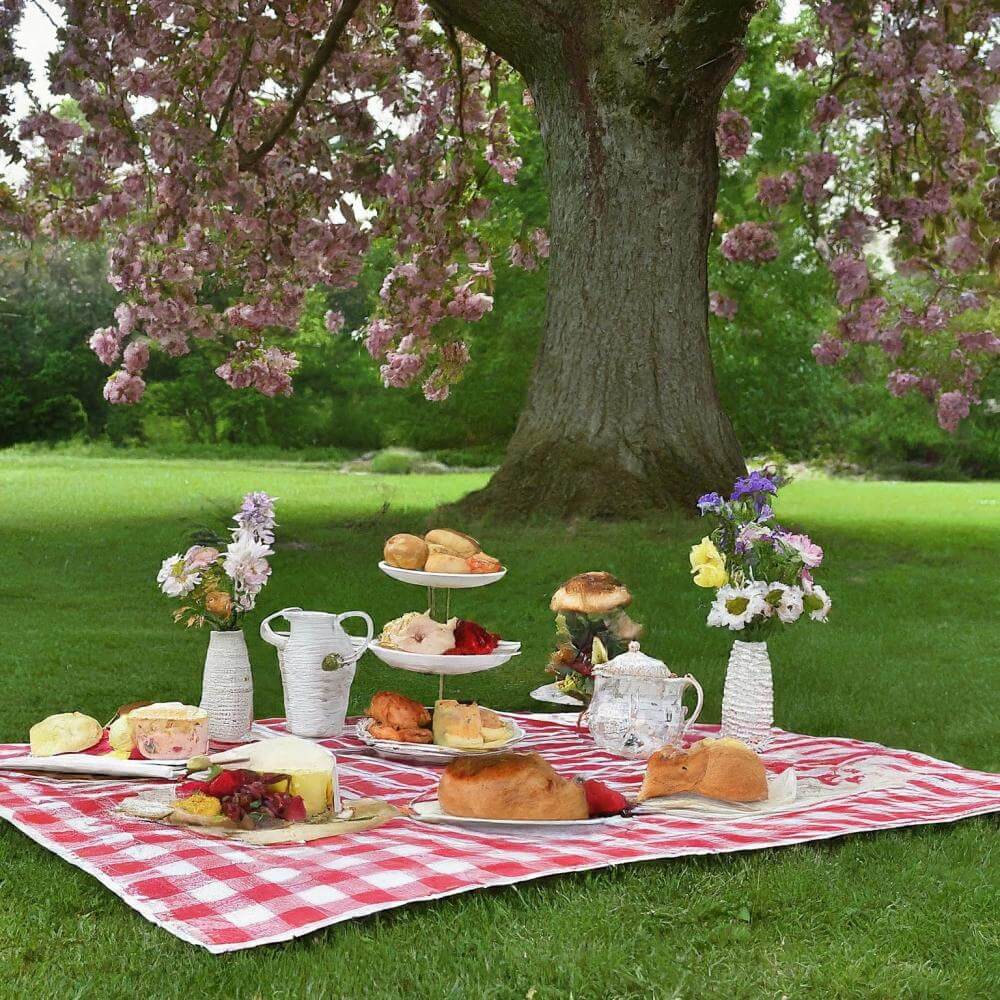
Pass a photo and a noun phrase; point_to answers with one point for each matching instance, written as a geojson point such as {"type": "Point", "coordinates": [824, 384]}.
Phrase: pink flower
{"type": "Point", "coordinates": [899, 383]}
{"type": "Point", "coordinates": [774, 191]}
{"type": "Point", "coordinates": [804, 54]}
{"type": "Point", "coordinates": [200, 557]}
{"type": "Point", "coordinates": [121, 387]}
{"type": "Point", "coordinates": [829, 350]}
{"type": "Point", "coordinates": [722, 306]}
{"type": "Point", "coordinates": [952, 409]}
{"type": "Point", "coordinates": [815, 172]}
{"type": "Point", "coordinates": [851, 275]}
{"type": "Point", "coordinates": [732, 134]}
{"type": "Point", "coordinates": [808, 551]}
{"type": "Point", "coordinates": [136, 357]}
{"type": "Point", "coordinates": [334, 321]}
{"type": "Point", "coordinates": [828, 109]}
{"type": "Point", "coordinates": [750, 243]}
{"type": "Point", "coordinates": [106, 344]}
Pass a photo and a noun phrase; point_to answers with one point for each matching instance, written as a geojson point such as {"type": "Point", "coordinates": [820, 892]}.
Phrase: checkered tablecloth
{"type": "Point", "coordinates": [224, 896]}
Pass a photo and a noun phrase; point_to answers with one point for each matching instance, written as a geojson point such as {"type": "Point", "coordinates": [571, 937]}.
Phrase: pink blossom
{"type": "Point", "coordinates": [732, 134]}
{"type": "Point", "coordinates": [106, 344]}
{"type": "Point", "coordinates": [862, 324]}
{"type": "Point", "coordinates": [808, 551]}
{"type": "Point", "coordinates": [751, 243]}
{"type": "Point", "coordinates": [121, 387]}
{"type": "Point", "coordinates": [963, 254]}
{"type": "Point", "coordinates": [380, 334]}
{"type": "Point", "coordinates": [829, 350]}
{"type": "Point", "coordinates": [986, 342]}
{"type": "Point", "coordinates": [804, 54]}
{"type": "Point", "coordinates": [722, 306]}
{"type": "Point", "coordinates": [334, 321]}
{"type": "Point", "coordinates": [774, 191]}
{"type": "Point", "coordinates": [828, 109]}
{"type": "Point", "coordinates": [200, 557]}
{"type": "Point", "coordinates": [400, 369]}
{"type": "Point", "coordinates": [952, 409]}
{"type": "Point", "coordinates": [136, 357]}
{"type": "Point", "coordinates": [899, 383]}
{"type": "Point", "coordinates": [851, 275]}
{"type": "Point", "coordinates": [522, 257]}
{"type": "Point", "coordinates": [817, 169]}
{"type": "Point", "coordinates": [540, 239]}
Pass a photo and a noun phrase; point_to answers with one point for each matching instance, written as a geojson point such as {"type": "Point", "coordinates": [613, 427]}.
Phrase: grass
{"type": "Point", "coordinates": [910, 659]}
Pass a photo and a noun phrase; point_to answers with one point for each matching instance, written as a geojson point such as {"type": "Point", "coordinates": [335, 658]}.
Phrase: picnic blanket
{"type": "Point", "coordinates": [225, 896]}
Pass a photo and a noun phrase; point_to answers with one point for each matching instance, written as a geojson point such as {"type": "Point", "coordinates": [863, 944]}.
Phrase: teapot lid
{"type": "Point", "coordinates": [634, 663]}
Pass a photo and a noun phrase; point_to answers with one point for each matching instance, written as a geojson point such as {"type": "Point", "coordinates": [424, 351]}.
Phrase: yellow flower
{"type": "Point", "coordinates": [708, 564]}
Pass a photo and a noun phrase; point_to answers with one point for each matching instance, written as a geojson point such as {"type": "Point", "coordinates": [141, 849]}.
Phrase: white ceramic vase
{"type": "Point", "coordinates": [748, 698]}
{"type": "Point", "coordinates": [227, 687]}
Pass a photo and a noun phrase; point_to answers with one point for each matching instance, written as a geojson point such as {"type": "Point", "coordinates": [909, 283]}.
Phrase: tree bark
{"type": "Point", "coordinates": [622, 416]}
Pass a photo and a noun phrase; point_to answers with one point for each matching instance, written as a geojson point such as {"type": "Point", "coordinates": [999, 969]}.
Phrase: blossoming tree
{"type": "Point", "coordinates": [260, 148]}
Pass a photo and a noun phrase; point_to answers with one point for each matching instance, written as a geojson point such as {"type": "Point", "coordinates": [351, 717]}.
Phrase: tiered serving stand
{"type": "Point", "coordinates": [439, 587]}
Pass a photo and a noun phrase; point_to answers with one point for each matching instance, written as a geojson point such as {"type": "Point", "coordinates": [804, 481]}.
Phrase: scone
{"type": "Point", "coordinates": [405, 551]}
{"type": "Point", "coordinates": [723, 769]}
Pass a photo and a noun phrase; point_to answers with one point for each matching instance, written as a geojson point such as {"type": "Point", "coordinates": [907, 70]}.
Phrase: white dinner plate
{"type": "Point", "coordinates": [446, 581]}
{"type": "Point", "coordinates": [425, 663]}
{"type": "Point", "coordinates": [551, 694]}
{"type": "Point", "coordinates": [430, 812]}
{"type": "Point", "coordinates": [429, 753]}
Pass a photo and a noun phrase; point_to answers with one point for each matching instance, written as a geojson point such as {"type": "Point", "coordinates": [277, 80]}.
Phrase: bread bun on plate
{"type": "Point", "coordinates": [441, 560]}
{"type": "Point", "coordinates": [723, 769]}
{"type": "Point", "coordinates": [509, 786]}
{"type": "Point", "coordinates": [591, 594]}
{"type": "Point", "coordinates": [454, 541]}
{"type": "Point", "coordinates": [406, 551]}
{"type": "Point", "coordinates": [392, 709]}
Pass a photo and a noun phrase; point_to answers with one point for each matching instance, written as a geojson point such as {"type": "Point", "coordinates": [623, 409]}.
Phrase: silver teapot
{"type": "Point", "coordinates": [637, 705]}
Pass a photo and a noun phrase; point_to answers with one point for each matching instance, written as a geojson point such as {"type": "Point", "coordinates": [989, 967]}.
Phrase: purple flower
{"type": "Point", "coordinates": [710, 503]}
{"type": "Point", "coordinates": [750, 243]}
{"type": "Point", "coordinates": [256, 516]}
{"type": "Point", "coordinates": [721, 305]}
{"type": "Point", "coordinates": [753, 485]}
{"type": "Point", "coordinates": [732, 134]}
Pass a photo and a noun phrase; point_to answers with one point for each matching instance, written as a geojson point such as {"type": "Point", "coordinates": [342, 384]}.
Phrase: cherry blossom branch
{"type": "Point", "coordinates": [248, 160]}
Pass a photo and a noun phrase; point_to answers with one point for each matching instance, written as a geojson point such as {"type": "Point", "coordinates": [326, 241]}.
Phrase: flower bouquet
{"type": "Point", "coordinates": [217, 581]}
{"type": "Point", "coordinates": [762, 575]}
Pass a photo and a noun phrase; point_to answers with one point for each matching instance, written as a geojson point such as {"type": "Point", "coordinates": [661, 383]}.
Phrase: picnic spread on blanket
{"type": "Point", "coordinates": [231, 833]}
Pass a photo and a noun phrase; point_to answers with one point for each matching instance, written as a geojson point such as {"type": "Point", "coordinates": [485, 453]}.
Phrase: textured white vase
{"type": "Point", "coordinates": [748, 698]}
{"type": "Point", "coordinates": [227, 688]}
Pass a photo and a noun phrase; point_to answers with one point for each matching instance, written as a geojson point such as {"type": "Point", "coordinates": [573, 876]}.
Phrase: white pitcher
{"type": "Point", "coordinates": [317, 659]}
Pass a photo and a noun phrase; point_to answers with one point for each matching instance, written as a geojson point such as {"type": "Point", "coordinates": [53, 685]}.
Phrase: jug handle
{"type": "Point", "coordinates": [701, 700]}
{"type": "Point", "coordinates": [278, 639]}
{"type": "Point", "coordinates": [368, 624]}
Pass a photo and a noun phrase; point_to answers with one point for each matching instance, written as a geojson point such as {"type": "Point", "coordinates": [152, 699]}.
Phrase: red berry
{"type": "Point", "coordinates": [602, 800]}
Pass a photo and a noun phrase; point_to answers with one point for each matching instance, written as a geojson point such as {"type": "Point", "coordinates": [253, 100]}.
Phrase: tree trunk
{"type": "Point", "coordinates": [623, 415]}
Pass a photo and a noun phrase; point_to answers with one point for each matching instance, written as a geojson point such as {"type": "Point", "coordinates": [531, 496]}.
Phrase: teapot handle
{"type": "Point", "coordinates": [277, 639]}
{"type": "Point", "coordinates": [701, 700]}
{"type": "Point", "coordinates": [368, 623]}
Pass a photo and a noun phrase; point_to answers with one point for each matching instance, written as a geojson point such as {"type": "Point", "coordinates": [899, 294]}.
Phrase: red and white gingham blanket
{"type": "Point", "coordinates": [224, 896]}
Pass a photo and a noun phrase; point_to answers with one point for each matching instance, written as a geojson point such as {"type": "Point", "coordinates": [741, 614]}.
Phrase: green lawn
{"type": "Point", "coordinates": [910, 659]}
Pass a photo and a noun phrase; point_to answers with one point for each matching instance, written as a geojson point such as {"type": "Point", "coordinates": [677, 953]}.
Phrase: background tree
{"type": "Point", "coordinates": [264, 137]}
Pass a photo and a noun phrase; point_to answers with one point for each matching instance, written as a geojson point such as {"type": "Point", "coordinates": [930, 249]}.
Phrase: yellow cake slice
{"type": "Point", "coordinates": [457, 726]}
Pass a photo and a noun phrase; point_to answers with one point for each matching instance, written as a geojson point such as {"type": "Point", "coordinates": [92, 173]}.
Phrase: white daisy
{"type": "Point", "coordinates": [785, 601]}
{"type": "Point", "coordinates": [175, 578]}
{"type": "Point", "coordinates": [817, 602]}
{"type": "Point", "coordinates": [736, 607]}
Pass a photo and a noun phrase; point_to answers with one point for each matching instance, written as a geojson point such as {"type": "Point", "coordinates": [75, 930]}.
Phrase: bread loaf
{"type": "Point", "coordinates": [406, 551]}
{"type": "Point", "coordinates": [509, 786]}
{"type": "Point", "coordinates": [454, 541]}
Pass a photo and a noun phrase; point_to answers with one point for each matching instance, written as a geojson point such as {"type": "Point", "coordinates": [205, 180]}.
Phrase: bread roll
{"type": "Point", "coordinates": [723, 769]}
{"type": "Point", "coordinates": [440, 560]}
{"type": "Point", "coordinates": [454, 541]}
{"type": "Point", "coordinates": [509, 786]}
{"type": "Point", "coordinates": [591, 594]}
{"type": "Point", "coordinates": [482, 563]}
{"type": "Point", "coordinates": [406, 551]}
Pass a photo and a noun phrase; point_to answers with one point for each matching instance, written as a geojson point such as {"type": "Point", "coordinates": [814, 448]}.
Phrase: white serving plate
{"type": "Point", "coordinates": [429, 753]}
{"type": "Point", "coordinates": [445, 581]}
{"type": "Point", "coordinates": [426, 663]}
{"type": "Point", "coordinates": [430, 812]}
{"type": "Point", "coordinates": [551, 694]}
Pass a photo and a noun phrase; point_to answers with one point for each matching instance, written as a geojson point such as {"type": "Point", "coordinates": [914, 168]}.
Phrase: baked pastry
{"type": "Point", "coordinates": [468, 727]}
{"type": "Point", "coordinates": [67, 732]}
{"type": "Point", "coordinates": [441, 560]}
{"type": "Point", "coordinates": [454, 542]}
{"type": "Point", "coordinates": [482, 563]}
{"type": "Point", "coordinates": [509, 786]}
{"type": "Point", "coordinates": [591, 594]}
{"type": "Point", "coordinates": [380, 731]}
{"type": "Point", "coordinates": [723, 769]}
{"type": "Point", "coordinates": [405, 551]}
{"type": "Point", "coordinates": [396, 710]}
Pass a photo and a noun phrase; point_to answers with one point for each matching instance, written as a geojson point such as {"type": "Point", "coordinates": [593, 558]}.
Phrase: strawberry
{"type": "Point", "coordinates": [472, 639]}
{"type": "Point", "coordinates": [226, 782]}
{"type": "Point", "coordinates": [602, 800]}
